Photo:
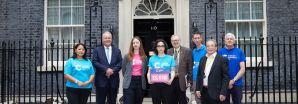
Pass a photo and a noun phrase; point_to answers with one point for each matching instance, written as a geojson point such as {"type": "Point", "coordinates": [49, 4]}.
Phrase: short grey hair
{"type": "Point", "coordinates": [175, 36]}
{"type": "Point", "coordinates": [106, 33]}
{"type": "Point", "coordinates": [230, 35]}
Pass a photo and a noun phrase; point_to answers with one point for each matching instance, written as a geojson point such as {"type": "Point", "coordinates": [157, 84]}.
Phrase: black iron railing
{"type": "Point", "coordinates": [32, 71]}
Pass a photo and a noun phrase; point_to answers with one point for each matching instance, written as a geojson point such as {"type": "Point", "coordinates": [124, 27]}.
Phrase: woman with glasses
{"type": "Point", "coordinates": [134, 69]}
{"type": "Point", "coordinates": [160, 73]}
{"type": "Point", "coordinates": [79, 73]}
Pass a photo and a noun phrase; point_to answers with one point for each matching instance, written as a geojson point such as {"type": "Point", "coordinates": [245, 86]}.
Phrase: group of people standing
{"type": "Point", "coordinates": [212, 75]}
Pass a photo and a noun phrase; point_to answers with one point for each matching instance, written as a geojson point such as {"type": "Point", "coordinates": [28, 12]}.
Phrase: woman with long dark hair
{"type": "Point", "coordinates": [79, 73]}
{"type": "Point", "coordinates": [161, 73]}
{"type": "Point", "coordinates": [134, 69]}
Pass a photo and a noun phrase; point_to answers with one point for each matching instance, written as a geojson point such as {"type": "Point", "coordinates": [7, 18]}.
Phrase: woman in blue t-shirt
{"type": "Point", "coordinates": [79, 73]}
{"type": "Point", "coordinates": [160, 73]}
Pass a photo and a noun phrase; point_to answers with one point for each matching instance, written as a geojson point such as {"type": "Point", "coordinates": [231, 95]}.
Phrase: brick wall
{"type": "Point", "coordinates": [21, 19]}
{"type": "Point", "coordinates": [282, 17]}
{"type": "Point", "coordinates": [110, 19]}
{"type": "Point", "coordinates": [197, 15]}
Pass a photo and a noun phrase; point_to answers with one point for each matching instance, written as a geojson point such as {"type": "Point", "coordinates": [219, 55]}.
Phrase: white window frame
{"type": "Point", "coordinates": [252, 61]}
{"type": "Point", "coordinates": [47, 64]}
{"type": "Point", "coordinates": [170, 2]}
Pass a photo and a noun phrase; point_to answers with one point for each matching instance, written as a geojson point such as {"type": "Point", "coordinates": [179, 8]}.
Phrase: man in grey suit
{"type": "Point", "coordinates": [183, 69]}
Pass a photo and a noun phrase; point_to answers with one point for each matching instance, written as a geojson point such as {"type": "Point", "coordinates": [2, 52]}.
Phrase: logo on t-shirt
{"type": "Point", "coordinates": [230, 57]}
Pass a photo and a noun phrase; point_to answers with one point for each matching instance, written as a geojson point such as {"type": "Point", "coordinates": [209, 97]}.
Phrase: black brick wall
{"type": "Point", "coordinates": [21, 19]}
{"type": "Point", "coordinates": [282, 17]}
{"type": "Point", "coordinates": [109, 17]}
{"type": "Point", "coordinates": [197, 15]}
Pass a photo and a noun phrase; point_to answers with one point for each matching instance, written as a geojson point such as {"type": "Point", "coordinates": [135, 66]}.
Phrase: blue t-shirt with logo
{"type": "Point", "coordinates": [80, 69]}
{"type": "Point", "coordinates": [161, 64]}
{"type": "Point", "coordinates": [235, 56]}
{"type": "Point", "coordinates": [197, 54]}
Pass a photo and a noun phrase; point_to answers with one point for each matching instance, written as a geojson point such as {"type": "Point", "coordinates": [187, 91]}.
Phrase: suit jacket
{"type": "Point", "coordinates": [101, 64]}
{"type": "Point", "coordinates": [185, 66]}
{"type": "Point", "coordinates": [218, 79]}
{"type": "Point", "coordinates": [127, 71]}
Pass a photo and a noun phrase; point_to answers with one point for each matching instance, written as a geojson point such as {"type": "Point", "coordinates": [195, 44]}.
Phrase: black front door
{"type": "Point", "coordinates": [151, 29]}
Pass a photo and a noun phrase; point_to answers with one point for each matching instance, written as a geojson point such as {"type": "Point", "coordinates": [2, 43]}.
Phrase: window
{"type": "Point", "coordinates": [153, 7]}
{"type": "Point", "coordinates": [246, 18]}
{"type": "Point", "coordinates": [64, 21]}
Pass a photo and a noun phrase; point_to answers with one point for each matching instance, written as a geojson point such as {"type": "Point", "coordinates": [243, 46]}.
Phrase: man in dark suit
{"type": "Point", "coordinates": [213, 80]}
{"type": "Point", "coordinates": [107, 61]}
{"type": "Point", "coordinates": [183, 69]}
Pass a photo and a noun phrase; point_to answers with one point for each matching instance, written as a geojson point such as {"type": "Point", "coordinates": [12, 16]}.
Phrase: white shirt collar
{"type": "Point", "coordinates": [212, 55]}
{"type": "Point", "coordinates": [108, 47]}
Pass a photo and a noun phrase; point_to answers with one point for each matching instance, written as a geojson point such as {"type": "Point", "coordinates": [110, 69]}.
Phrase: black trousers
{"type": "Point", "coordinates": [177, 96]}
{"type": "Point", "coordinates": [236, 93]}
{"type": "Point", "coordinates": [160, 93]}
{"type": "Point", "coordinates": [134, 94]}
{"type": "Point", "coordinates": [77, 95]}
{"type": "Point", "coordinates": [206, 98]}
{"type": "Point", "coordinates": [106, 92]}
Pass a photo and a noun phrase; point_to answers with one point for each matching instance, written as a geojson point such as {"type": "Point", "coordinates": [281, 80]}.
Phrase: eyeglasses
{"type": "Point", "coordinates": [160, 45]}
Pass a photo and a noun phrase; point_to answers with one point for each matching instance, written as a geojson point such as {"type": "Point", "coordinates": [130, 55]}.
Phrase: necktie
{"type": "Point", "coordinates": [108, 54]}
{"type": "Point", "coordinates": [175, 55]}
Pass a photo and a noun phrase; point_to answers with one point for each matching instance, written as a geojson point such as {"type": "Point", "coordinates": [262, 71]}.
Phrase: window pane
{"type": "Point", "coordinates": [256, 28]}
{"type": "Point", "coordinates": [256, 0]}
{"type": "Point", "coordinates": [65, 2]}
{"type": "Point", "coordinates": [249, 48]}
{"type": "Point", "coordinates": [78, 2]}
{"type": "Point", "coordinates": [230, 11]}
{"type": "Point", "coordinates": [78, 15]}
{"type": "Point", "coordinates": [231, 0]}
{"type": "Point", "coordinates": [257, 10]}
{"type": "Point", "coordinates": [243, 29]}
{"type": "Point", "coordinates": [243, 0]}
{"type": "Point", "coordinates": [66, 33]}
{"type": "Point", "coordinates": [53, 17]}
{"type": "Point", "coordinates": [53, 33]}
{"type": "Point", "coordinates": [231, 27]}
{"type": "Point", "coordinates": [79, 34]}
{"type": "Point", "coordinates": [244, 10]}
{"type": "Point", "coordinates": [53, 3]}
{"type": "Point", "coordinates": [65, 16]}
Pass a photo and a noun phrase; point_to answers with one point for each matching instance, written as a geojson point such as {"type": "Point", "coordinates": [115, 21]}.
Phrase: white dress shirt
{"type": "Point", "coordinates": [108, 51]}
{"type": "Point", "coordinates": [208, 66]}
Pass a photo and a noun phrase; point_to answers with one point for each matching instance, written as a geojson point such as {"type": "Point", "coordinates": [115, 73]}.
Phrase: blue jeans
{"type": "Point", "coordinates": [236, 93]}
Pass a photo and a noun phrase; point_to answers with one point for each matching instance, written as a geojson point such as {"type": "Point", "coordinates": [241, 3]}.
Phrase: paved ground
{"type": "Point", "coordinates": [285, 97]}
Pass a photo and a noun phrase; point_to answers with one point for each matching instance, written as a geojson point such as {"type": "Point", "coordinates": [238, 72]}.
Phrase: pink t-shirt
{"type": "Point", "coordinates": [136, 65]}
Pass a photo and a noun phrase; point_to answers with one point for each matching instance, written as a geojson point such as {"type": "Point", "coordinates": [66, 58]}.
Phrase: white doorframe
{"type": "Point", "coordinates": [181, 21]}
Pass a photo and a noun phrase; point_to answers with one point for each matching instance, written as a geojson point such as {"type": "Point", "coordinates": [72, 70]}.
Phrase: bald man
{"type": "Point", "coordinates": [107, 61]}
{"type": "Point", "coordinates": [183, 71]}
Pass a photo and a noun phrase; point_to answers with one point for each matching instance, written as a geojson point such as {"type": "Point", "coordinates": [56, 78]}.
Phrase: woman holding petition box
{"type": "Point", "coordinates": [160, 73]}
